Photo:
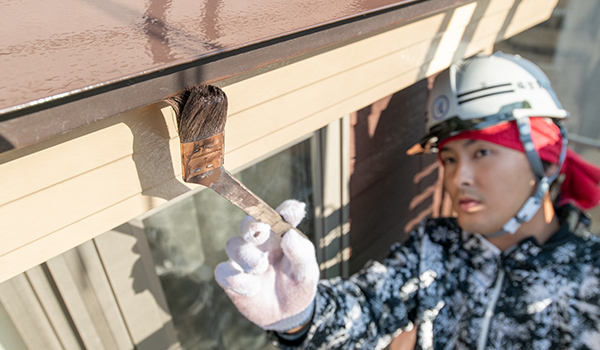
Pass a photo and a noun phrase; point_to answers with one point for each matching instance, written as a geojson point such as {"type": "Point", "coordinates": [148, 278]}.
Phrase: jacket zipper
{"type": "Point", "coordinates": [489, 312]}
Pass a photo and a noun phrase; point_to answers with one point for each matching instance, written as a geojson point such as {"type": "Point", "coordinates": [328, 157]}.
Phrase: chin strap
{"type": "Point", "coordinates": [533, 203]}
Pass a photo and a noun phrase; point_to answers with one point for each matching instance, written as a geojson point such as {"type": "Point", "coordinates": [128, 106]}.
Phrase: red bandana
{"type": "Point", "coordinates": [580, 185]}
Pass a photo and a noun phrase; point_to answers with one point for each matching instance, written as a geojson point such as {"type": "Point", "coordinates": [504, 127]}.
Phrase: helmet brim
{"type": "Point", "coordinates": [456, 125]}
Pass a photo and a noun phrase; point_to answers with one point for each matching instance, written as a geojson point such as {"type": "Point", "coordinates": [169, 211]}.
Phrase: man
{"type": "Point", "coordinates": [516, 268]}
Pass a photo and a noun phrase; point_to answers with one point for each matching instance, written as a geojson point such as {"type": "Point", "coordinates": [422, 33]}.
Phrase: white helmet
{"type": "Point", "coordinates": [486, 90]}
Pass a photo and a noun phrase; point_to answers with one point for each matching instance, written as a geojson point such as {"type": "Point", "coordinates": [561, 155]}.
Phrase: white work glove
{"type": "Point", "coordinates": [272, 280]}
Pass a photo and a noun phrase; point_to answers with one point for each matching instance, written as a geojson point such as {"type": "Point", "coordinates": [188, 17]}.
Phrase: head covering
{"type": "Point", "coordinates": [580, 185]}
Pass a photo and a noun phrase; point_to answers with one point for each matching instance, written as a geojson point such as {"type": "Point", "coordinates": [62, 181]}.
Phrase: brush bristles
{"type": "Point", "coordinates": [201, 112]}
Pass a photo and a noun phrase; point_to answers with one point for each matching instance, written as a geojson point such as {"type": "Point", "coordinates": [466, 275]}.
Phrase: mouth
{"type": "Point", "coordinates": [469, 205]}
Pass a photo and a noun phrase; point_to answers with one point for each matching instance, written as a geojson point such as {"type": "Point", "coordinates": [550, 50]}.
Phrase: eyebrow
{"type": "Point", "coordinates": [468, 143]}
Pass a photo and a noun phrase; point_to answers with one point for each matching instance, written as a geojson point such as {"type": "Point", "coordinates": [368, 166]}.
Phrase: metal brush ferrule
{"type": "Point", "coordinates": [201, 157]}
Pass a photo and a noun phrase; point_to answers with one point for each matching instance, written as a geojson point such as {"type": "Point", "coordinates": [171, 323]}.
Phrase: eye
{"type": "Point", "coordinates": [482, 152]}
{"type": "Point", "coordinates": [448, 160]}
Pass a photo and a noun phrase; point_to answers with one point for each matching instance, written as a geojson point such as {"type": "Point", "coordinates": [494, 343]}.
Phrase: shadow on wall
{"type": "Point", "coordinates": [389, 191]}
{"type": "Point", "coordinates": [152, 154]}
{"type": "Point", "coordinates": [5, 145]}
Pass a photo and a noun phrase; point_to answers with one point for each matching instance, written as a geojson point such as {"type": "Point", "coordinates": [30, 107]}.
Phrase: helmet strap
{"type": "Point", "coordinates": [533, 203]}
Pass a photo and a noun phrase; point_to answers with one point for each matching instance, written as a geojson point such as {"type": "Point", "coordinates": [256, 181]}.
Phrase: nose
{"type": "Point", "coordinates": [463, 174]}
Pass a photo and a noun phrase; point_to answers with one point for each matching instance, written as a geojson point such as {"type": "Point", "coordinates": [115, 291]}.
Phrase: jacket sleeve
{"type": "Point", "coordinates": [370, 308]}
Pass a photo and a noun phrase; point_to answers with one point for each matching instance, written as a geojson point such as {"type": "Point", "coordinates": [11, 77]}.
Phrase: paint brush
{"type": "Point", "coordinates": [201, 113]}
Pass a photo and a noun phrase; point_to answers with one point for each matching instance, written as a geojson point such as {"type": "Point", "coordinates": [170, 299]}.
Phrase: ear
{"type": "Point", "coordinates": [550, 169]}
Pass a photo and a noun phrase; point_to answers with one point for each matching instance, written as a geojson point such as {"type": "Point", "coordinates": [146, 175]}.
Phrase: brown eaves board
{"type": "Point", "coordinates": [59, 75]}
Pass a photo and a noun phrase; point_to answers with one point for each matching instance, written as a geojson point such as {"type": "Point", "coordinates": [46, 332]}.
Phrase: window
{"type": "Point", "coordinates": [187, 239]}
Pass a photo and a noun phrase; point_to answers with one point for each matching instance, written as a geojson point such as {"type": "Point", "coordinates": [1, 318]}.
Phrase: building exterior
{"type": "Point", "coordinates": [105, 247]}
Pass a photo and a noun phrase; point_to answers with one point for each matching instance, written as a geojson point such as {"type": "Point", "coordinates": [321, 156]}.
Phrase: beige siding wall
{"type": "Point", "coordinates": [60, 193]}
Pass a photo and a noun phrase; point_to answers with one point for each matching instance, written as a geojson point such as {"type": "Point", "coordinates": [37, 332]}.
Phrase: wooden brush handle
{"type": "Point", "coordinates": [225, 184]}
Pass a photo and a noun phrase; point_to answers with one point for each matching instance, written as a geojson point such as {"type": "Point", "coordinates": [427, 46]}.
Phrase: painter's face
{"type": "Point", "coordinates": [487, 183]}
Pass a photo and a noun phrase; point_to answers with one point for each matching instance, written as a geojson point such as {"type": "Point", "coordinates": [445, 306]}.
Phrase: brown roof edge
{"type": "Point", "coordinates": [26, 125]}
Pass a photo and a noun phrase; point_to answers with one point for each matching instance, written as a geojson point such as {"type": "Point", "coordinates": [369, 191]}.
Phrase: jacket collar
{"type": "Point", "coordinates": [528, 252]}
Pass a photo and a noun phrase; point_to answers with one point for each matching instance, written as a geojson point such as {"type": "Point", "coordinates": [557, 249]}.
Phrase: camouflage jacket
{"type": "Point", "coordinates": [461, 292]}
